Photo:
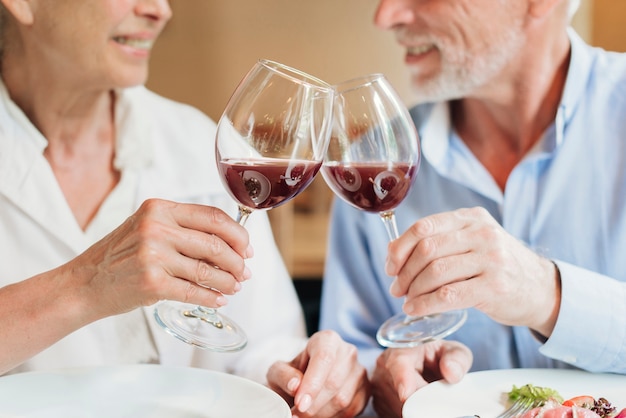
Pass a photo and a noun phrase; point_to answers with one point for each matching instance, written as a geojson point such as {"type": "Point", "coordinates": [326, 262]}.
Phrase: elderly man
{"type": "Point", "coordinates": [518, 213]}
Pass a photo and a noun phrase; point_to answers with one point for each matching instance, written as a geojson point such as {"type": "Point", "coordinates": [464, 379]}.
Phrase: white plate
{"type": "Point", "coordinates": [136, 391]}
{"type": "Point", "coordinates": [484, 393]}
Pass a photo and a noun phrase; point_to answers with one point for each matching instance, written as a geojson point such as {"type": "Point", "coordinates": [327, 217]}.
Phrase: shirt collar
{"type": "Point", "coordinates": [11, 114]}
{"type": "Point", "coordinates": [134, 147]}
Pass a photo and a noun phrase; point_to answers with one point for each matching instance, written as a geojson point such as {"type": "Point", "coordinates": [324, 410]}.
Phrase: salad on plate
{"type": "Point", "coordinates": [553, 405]}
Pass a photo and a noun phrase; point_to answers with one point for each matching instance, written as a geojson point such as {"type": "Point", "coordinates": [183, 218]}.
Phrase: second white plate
{"type": "Point", "coordinates": [484, 393]}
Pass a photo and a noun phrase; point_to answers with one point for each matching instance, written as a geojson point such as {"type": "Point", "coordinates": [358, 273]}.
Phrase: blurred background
{"type": "Point", "coordinates": [209, 45]}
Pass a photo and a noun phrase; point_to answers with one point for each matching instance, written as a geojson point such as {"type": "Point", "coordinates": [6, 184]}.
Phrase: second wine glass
{"type": "Point", "coordinates": [271, 140]}
{"type": "Point", "coordinates": [371, 163]}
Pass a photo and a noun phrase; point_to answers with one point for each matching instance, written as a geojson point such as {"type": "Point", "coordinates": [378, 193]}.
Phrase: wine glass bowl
{"type": "Point", "coordinates": [272, 135]}
{"type": "Point", "coordinates": [270, 143]}
{"type": "Point", "coordinates": [371, 163]}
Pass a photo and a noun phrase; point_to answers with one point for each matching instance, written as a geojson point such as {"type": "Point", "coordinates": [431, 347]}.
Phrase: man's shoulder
{"type": "Point", "coordinates": [595, 63]}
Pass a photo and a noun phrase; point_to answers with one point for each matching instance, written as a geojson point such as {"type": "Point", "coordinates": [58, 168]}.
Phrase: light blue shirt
{"type": "Point", "coordinates": [566, 199]}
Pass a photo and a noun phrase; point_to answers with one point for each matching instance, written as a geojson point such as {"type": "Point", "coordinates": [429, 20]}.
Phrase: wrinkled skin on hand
{"type": "Point", "coordinates": [400, 372]}
{"type": "Point", "coordinates": [323, 381]}
{"type": "Point", "coordinates": [464, 258]}
{"type": "Point", "coordinates": [166, 250]}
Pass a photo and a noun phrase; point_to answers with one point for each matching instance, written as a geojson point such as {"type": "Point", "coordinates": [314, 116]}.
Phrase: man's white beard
{"type": "Point", "coordinates": [462, 72]}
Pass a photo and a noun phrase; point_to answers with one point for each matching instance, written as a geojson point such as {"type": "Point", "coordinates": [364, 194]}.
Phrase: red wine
{"type": "Point", "coordinates": [374, 187]}
{"type": "Point", "coordinates": [266, 183]}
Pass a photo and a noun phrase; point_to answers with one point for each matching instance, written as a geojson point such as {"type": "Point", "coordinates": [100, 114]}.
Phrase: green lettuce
{"type": "Point", "coordinates": [538, 393]}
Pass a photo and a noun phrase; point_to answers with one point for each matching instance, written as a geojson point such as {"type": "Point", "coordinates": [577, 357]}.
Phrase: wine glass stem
{"type": "Point", "coordinates": [208, 315]}
{"type": "Point", "coordinates": [242, 215]}
{"type": "Point", "coordinates": [389, 220]}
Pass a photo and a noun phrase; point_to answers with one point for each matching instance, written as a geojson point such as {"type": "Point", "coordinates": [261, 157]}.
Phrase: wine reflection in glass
{"type": "Point", "coordinates": [371, 163]}
{"type": "Point", "coordinates": [271, 140]}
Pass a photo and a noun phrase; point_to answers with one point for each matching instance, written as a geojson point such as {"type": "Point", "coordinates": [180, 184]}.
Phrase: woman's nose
{"type": "Point", "coordinates": [155, 9]}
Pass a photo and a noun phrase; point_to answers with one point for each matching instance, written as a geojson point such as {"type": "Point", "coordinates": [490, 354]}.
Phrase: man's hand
{"type": "Point", "coordinates": [464, 258]}
{"type": "Point", "coordinates": [401, 371]}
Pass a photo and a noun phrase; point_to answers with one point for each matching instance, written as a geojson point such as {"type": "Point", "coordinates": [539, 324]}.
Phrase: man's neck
{"type": "Point", "coordinates": [501, 129]}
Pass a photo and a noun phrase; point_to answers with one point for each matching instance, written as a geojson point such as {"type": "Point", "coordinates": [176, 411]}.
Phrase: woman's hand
{"type": "Point", "coordinates": [166, 250]}
{"type": "Point", "coordinates": [325, 380]}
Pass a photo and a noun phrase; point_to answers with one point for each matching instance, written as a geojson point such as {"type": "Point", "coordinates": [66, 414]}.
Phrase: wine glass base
{"type": "Point", "coordinates": [402, 331]}
{"type": "Point", "coordinates": [200, 327]}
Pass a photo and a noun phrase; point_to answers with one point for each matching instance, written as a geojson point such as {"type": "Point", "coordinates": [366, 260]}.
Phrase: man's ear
{"type": "Point", "coordinates": [22, 10]}
{"type": "Point", "coordinates": [540, 8]}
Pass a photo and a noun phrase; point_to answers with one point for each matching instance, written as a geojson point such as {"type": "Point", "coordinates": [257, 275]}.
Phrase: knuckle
{"type": "Point", "coordinates": [426, 247]}
{"type": "Point", "coordinates": [327, 335]}
{"type": "Point", "coordinates": [149, 204]}
{"type": "Point", "coordinates": [191, 292]}
{"type": "Point", "coordinates": [217, 216]}
{"type": "Point", "coordinates": [326, 356]}
{"type": "Point", "coordinates": [490, 233]}
{"type": "Point", "coordinates": [152, 205]}
{"type": "Point", "coordinates": [439, 267]}
{"type": "Point", "coordinates": [498, 256]}
{"type": "Point", "coordinates": [448, 294]}
{"type": "Point", "coordinates": [151, 280]}
{"type": "Point", "coordinates": [423, 227]}
{"type": "Point", "coordinates": [475, 212]}
{"type": "Point", "coordinates": [148, 230]}
{"type": "Point", "coordinates": [215, 246]}
{"type": "Point", "coordinates": [204, 273]}
{"type": "Point", "coordinates": [341, 400]}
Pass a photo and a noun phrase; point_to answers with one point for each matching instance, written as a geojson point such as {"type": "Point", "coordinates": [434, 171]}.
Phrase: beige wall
{"type": "Point", "coordinates": [609, 28]}
{"type": "Point", "coordinates": [210, 44]}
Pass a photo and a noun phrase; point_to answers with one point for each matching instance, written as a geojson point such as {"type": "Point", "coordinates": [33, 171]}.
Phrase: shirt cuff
{"type": "Point", "coordinates": [590, 332]}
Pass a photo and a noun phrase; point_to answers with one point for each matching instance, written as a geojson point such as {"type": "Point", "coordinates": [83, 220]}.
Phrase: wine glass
{"type": "Point", "coordinates": [372, 160]}
{"type": "Point", "coordinates": [270, 143]}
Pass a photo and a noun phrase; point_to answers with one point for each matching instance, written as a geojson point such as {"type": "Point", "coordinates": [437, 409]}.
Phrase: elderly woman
{"type": "Point", "coordinates": [108, 204]}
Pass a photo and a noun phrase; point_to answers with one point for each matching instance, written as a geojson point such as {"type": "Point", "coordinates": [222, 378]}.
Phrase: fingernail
{"type": "Point", "coordinates": [237, 287]}
{"type": "Point", "coordinates": [407, 308]}
{"type": "Point", "coordinates": [401, 392]}
{"type": "Point", "coordinates": [249, 252]}
{"type": "Point", "coordinates": [221, 301]}
{"type": "Point", "coordinates": [456, 371]}
{"type": "Point", "coordinates": [394, 289]}
{"type": "Point", "coordinates": [390, 267]}
{"type": "Point", "coordinates": [293, 385]}
{"type": "Point", "coordinates": [247, 273]}
{"type": "Point", "coordinates": [305, 403]}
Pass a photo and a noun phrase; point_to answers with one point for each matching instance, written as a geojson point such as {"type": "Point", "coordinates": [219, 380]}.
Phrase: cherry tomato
{"type": "Point", "coordinates": [583, 401]}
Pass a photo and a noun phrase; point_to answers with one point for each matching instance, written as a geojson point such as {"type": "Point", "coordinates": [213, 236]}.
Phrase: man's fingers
{"type": "Point", "coordinates": [455, 362]}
